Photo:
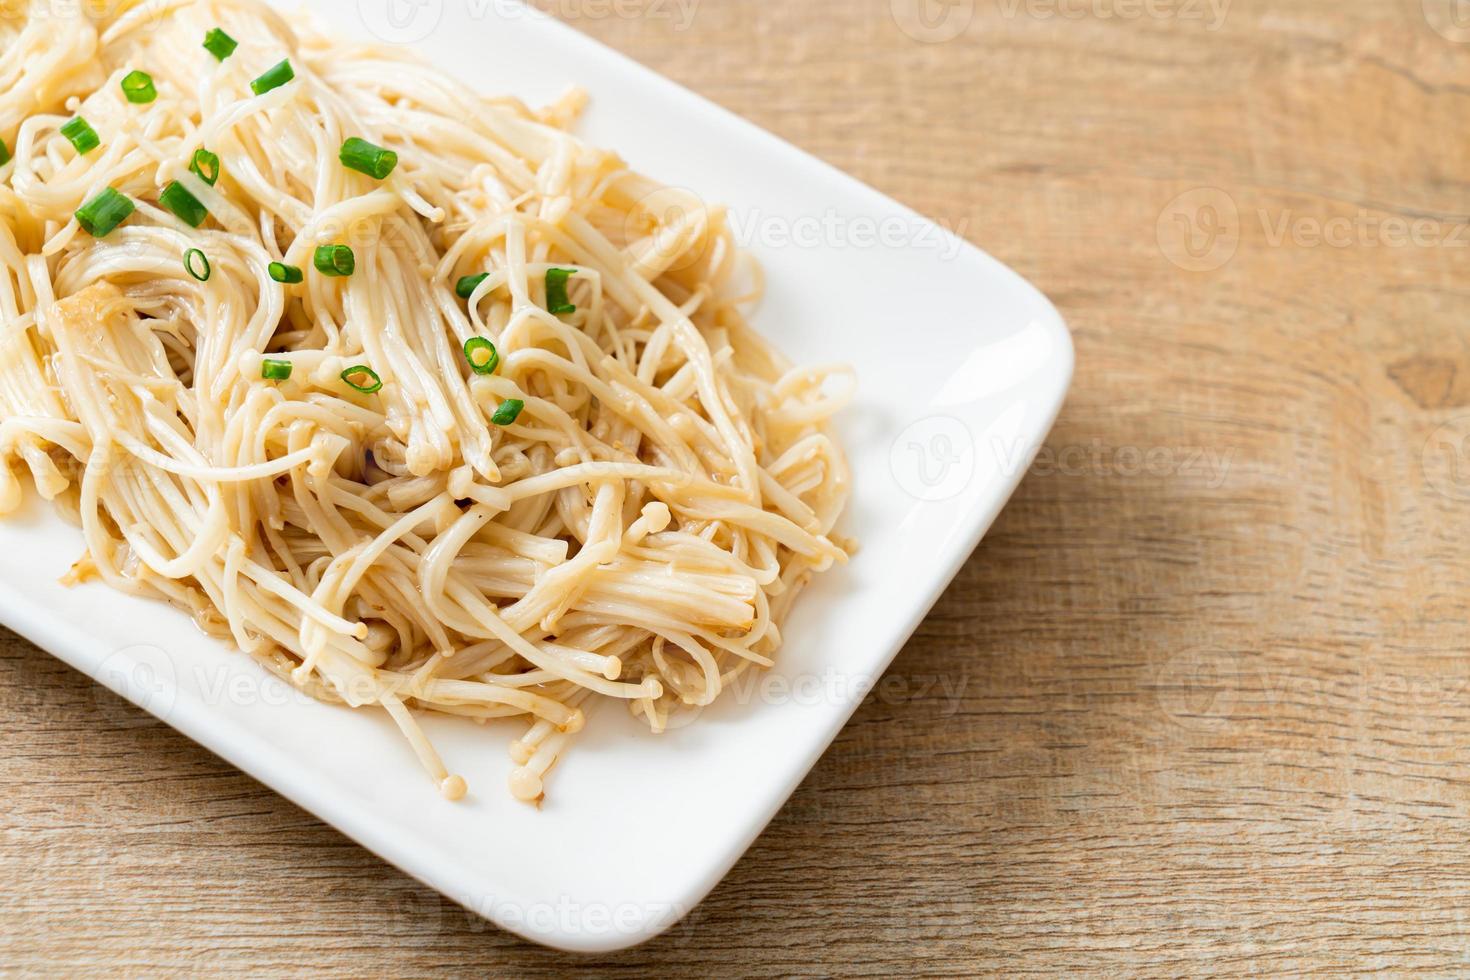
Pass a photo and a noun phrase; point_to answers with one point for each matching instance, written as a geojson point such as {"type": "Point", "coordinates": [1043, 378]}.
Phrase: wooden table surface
{"type": "Point", "coordinates": [1200, 703]}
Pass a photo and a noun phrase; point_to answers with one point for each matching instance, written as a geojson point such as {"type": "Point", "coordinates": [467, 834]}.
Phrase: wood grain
{"type": "Point", "coordinates": [1200, 703]}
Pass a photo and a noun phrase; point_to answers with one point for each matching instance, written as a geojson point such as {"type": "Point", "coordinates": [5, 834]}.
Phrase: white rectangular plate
{"type": "Point", "coordinates": [962, 368]}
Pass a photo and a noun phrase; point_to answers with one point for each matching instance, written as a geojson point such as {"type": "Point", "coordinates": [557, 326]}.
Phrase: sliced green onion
{"type": "Point", "coordinates": [196, 263]}
{"type": "Point", "coordinates": [205, 166]}
{"type": "Point", "coordinates": [508, 412]}
{"type": "Point", "coordinates": [176, 198]}
{"type": "Point", "coordinates": [362, 378]}
{"type": "Point", "coordinates": [364, 157]}
{"type": "Point", "coordinates": [272, 369]}
{"type": "Point", "coordinates": [556, 290]}
{"type": "Point", "coordinates": [81, 134]}
{"type": "Point", "coordinates": [466, 286]}
{"type": "Point", "coordinates": [334, 260]}
{"type": "Point", "coordinates": [274, 77]}
{"type": "Point", "coordinates": [104, 212]}
{"type": "Point", "coordinates": [281, 272]}
{"type": "Point", "coordinates": [482, 355]}
{"type": "Point", "coordinates": [4, 153]}
{"type": "Point", "coordinates": [220, 44]}
{"type": "Point", "coordinates": [138, 87]}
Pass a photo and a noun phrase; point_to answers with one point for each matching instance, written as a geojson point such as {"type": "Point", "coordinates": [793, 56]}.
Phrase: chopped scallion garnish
{"type": "Point", "coordinates": [99, 216]}
{"type": "Point", "coordinates": [281, 272]}
{"type": "Point", "coordinates": [4, 153]}
{"type": "Point", "coordinates": [138, 87]}
{"type": "Point", "coordinates": [466, 286]}
{"type": "Point", "coordinates": [364, 157]}
{"type": "Point", "coordinates": [362, 378]}
{"type": "Point", "coordinates": [273, 369]}
{"type": "Point", "coordinates": [81, 134]}
{"type": "Point", "coordinates": [556, 291]}
{"type": "Point", "coordinates": [274, 77]}
{"type": "Point", "coordinates": [205, 166]}
{"type": "Point", "coordinates": [482, 355]}
{"type": "Point", "coordinates": [334, 260]}
{"type": "Point", "coordinates": [176, 198]}
{"type": "Point", "coordinates": [220, 44]}
{"type": "Point", "coordinates": [508, 412]}
{"type": "Point", "coordinates": [196, 263]}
